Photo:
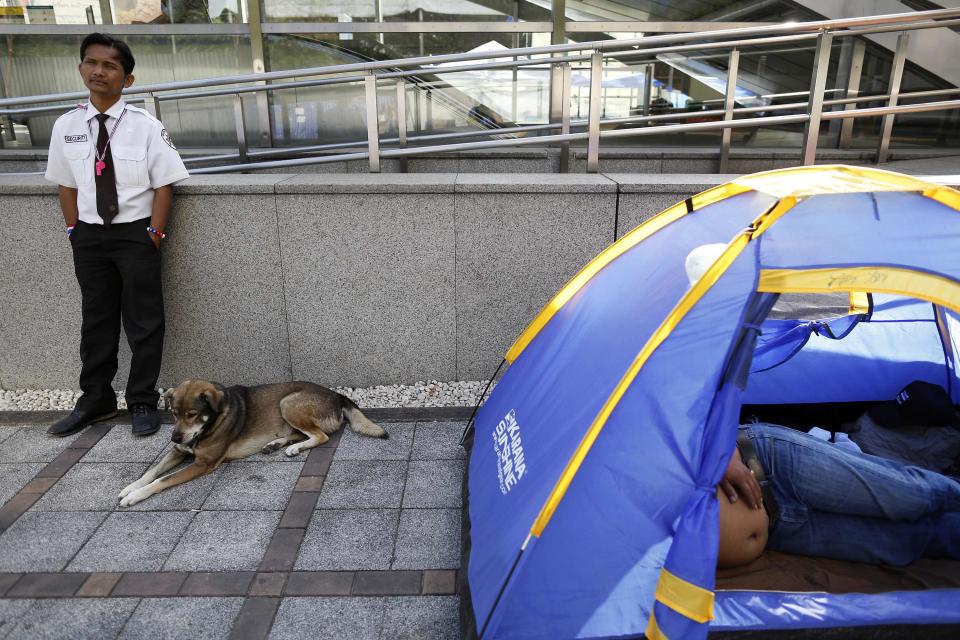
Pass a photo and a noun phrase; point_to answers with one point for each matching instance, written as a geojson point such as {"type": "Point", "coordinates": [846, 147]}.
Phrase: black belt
{"type": "Point", "coordinates": [750, 458]}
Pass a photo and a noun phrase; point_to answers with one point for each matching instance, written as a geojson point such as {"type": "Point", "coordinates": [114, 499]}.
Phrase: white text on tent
{"type": "Point", "coordinates": [506, 443]}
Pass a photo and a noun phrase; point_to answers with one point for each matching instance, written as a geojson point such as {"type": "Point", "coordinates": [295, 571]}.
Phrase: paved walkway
{"type": "Point", "coordinates": [357, 539]}
{"type": "Point", "coordinates": [945, 166]}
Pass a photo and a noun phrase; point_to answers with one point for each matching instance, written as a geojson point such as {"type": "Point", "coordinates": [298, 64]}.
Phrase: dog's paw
{"type": "Point", "coordinates": [135, 496]}
{"type": "Point", "coordinates": [293, 450]}
{"type": "Point", "coordinates": [273, 445]}
{"type": "Point", "coordinates": [130, 487]}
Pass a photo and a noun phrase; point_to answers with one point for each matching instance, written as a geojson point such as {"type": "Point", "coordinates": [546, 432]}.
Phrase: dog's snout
{"type": "Point", "coordinates": [176, 437]}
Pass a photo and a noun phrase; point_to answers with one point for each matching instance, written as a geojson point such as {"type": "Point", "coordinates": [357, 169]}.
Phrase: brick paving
{"type": "Point", "coordinates": [359, 538]}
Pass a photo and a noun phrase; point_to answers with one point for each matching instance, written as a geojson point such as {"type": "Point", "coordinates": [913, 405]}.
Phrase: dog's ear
{"type": "Point", "coordinates": [213, 397]}
{"type": "Point", "coordinates": [168, 399]}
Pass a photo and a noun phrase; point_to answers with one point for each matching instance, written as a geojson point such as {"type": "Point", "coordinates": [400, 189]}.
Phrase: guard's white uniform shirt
{"type": "Point", "coordinates": [144, 159]}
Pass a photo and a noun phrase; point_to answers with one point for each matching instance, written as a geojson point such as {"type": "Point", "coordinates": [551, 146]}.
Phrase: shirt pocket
{"type": "Point", "coordinates": [131, 165]}
{"type": "Point", "coordinates": [81, 161]}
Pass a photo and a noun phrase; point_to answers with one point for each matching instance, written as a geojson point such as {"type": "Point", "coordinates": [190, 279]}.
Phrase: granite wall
{"type": "Point", "coordinates": [343, 279]}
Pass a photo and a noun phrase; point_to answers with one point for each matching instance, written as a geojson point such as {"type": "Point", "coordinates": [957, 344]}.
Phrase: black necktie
{"type": "Point", "coordinates": [106, 178]}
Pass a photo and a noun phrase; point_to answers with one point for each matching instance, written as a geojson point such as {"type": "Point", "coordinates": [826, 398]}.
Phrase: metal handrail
{"type": "Point", "coordinates": [687, 115]}
{"type": "Point", "coordinates": [397, 70]}
{"type": "Point", "coordinates": [493, 144]}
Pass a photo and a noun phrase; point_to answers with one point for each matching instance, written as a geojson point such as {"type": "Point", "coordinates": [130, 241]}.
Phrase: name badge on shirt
{"type": "Point", "coordinates": [80, 138]}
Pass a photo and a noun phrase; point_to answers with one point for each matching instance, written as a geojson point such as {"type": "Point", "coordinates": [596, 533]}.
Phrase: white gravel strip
{"type": "Point", "coordinates": [421, 394]}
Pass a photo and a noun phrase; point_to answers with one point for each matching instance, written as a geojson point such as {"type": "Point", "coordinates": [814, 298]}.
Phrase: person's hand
{"type": "Point", "coordinates": [739, 481]}
{"type": "Point", "coordinates": [156, 241]}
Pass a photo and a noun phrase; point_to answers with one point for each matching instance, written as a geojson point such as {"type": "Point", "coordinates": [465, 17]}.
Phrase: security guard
{"type": "Point", "coordinates": [116, 166]}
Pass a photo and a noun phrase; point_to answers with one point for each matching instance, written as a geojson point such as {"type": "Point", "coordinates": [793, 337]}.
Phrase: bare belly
{"type": "Point", "coordinates": [743, 532]}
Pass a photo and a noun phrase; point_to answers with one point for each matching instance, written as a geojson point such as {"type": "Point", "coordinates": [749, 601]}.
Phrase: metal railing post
{"type": "Point", "coordinates": [818, 82]}
{"type": "Point", "coordinates": [152, 105]}
{"type": "Point", "coordinates": [428, 108]}
{"type": "Point", "coordinates": [556, 95]}
{"type": "Point", "coordinates": [373, 122]}
{"type": "Point", "coordinates": [853, 90]}
{"type": "Point", "coordinates": [264, 134]}
{"type": "Point", "coordinates": [729, 103]}
{"type": "Point", "coordinates": [647, 88]}
{"type": "Point", "coordinates": [402, 120]}
{"type": "Point", "coordinates": [9, 133]}
{"type": "Point", "coordinates": [565, 118]}
{"type": "Point", "coordinates": [896, 75]}
{"type": "Point", "coordinates": [241, 127]}
{"type": "Point", "coordinates": [515, 77]}
{"type": "Point", "coordinates": [593, 118]}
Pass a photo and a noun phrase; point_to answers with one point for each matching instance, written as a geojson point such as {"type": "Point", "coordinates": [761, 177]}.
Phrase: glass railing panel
{"type": "Point", "coordinates": [931, 129]}
{"type": "Point", "coordinates": [400, 11]}
{"type": "Point", "coordinates": [126, 12]}
{"type": "Point", "coordinates": [778, 76]}
{"type": "Point", "coordinates": [680, 10]}
{"type": "Point", "coordinates": [45, 64]}
{"type": "Point", "coordinates": [440, 99]}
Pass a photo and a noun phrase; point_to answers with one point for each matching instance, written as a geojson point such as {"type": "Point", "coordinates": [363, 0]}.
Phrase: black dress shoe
{"type": "Point", "coordinates": [146, 420]}
{"type": "Point", "coordinates": [78, 420]}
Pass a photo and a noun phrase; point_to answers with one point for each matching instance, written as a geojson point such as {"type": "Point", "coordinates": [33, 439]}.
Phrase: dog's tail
{"type": "Point", "coordinates": [359, 422]}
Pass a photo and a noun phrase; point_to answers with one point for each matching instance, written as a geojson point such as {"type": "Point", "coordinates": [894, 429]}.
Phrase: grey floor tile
{"type": "Point", "coordinates": [428, 539]}
{"type": "Point", "coordinates": [13, 475]}
{"type": "Point", "coordinates": [10, 612]}
{"type": "Point", "coordinates": [32, 444]}
{"type": "Point", "coordinates": [396, 447]}
{"type": "Point", "coordinates": [421, 618]}
{"type": "Point", "coordinates": [132, 541]}
{"type": "Point", "coordinates": [253, 485]}
{"type": "Point", "coordinates": [346, 539]}
{"type": "Point", "coordinates": [40, 541]}
{"type": "Point", "coordinates": [434, 483]}
{"type": "Point", "coordinates": [188, 496]}
{"type": "Point", "coordinates": [176, 618]}
{"type": "Point", "coordinates": [90, 487]}
{"type": "Point", "coordinates": [74, 619]}
{"type": "Point", "coordinates": [438, 441]}
{"type": "Point", "coordinates": [363, 484]}
{"type": "Point", "coordinates": [328, 619]}
{"type": "Point", "coordinates": [119, 445]}
{"type": "Point", "coordinates": [7, 431]}
{"type": "Point", "coordinates": [224, 541]}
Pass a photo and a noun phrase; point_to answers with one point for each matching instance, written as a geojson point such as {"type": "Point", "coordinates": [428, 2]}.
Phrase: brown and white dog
{"type": "Point", "coordinates": [216, 423]}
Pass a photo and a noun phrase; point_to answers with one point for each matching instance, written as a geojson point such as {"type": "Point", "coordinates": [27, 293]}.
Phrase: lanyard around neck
{"type": "Point", "coordinates": [109, 135]}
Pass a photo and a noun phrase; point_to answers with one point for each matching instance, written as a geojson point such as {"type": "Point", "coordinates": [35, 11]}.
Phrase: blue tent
{"type": "Point", "coordinates": [591, 480]}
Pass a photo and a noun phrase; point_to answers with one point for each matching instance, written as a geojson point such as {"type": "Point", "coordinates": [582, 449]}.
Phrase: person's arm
{"type": "Point", "coordinates": [739, 480]}
{"type": "Point", "coordinates": [59, 172]}
{"type": "Point", "coordinates": [68, 205]}
{"type": "Point", "coordinates": [162, 201]}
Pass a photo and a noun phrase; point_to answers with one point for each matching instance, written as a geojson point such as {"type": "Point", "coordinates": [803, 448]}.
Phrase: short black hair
{"type": "Point", "coordinates": [126, 56]}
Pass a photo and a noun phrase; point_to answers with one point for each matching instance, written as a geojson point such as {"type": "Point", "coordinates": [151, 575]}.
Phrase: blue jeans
{"type": "Point", "coordinates": [852, 506]}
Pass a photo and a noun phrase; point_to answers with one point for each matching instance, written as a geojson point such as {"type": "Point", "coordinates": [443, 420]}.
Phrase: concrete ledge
{"type": "Point", "coordinates": [26, 185]}
{"type": "Point", "coordinates": [367, 183]}
{"type": "Point", "coordinates": [668, 182]}
{"type": "Point", "coordinates": [229, 183]}
{"type": "Point", "coordinates": [534, 183]}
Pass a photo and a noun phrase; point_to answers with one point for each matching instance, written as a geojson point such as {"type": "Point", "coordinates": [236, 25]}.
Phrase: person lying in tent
{"type": "Point", "coordinates": [795, 493]}
{"type": "Point", "coordinates": [791, 492]}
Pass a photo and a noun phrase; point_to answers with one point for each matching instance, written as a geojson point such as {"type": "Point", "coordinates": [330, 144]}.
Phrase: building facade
{"type": "Point", "coordinates": [177, 40]}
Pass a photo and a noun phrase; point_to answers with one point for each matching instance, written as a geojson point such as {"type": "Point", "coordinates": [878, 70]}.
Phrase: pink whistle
{"type": "Point", "coordinates": [100, 166]}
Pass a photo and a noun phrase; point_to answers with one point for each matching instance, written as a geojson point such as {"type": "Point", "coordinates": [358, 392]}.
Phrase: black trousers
{"type": "Point", "coordinates": [118, 269]}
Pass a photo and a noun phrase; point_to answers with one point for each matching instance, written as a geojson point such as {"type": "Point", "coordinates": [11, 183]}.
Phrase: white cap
{"type": "Point", "coordinates": [700, 259]}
